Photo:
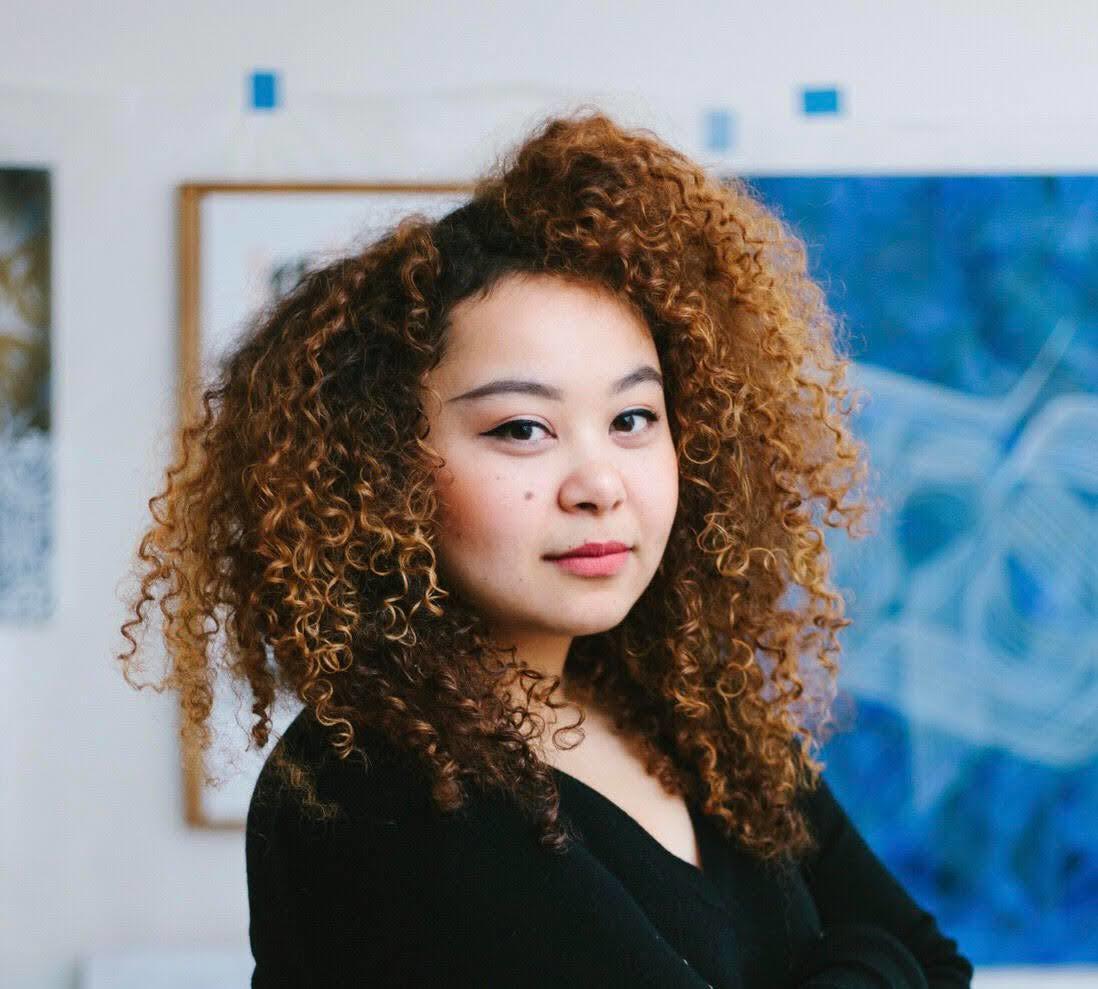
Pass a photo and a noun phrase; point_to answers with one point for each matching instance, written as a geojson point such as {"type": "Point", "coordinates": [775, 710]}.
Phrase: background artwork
{"type": "Point", "coordinates": [25, 483]}
{"type": "Point", "coordinates": [243, 246]}
{"type": "Point", "coordinates": [971, 669]}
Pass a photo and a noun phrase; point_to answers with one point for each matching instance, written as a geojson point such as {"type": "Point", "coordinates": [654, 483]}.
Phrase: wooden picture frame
{"type": "Point", "coordinates": [240, 245]}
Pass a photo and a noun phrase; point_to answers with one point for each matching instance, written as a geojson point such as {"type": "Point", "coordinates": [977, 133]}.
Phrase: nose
{"type": "Point", "coordinates": [596, 486]}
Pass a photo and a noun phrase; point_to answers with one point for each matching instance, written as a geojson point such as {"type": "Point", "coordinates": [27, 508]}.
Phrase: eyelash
{"type": "Point", "coordinates": [652, 417]}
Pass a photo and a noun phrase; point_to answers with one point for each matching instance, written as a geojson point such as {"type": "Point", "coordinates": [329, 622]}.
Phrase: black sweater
{"type": "Point", "coordinates": [394, 893]}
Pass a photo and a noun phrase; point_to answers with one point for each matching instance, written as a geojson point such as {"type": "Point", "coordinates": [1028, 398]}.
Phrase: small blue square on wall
{"type": "Point", "coordinates": [820, 100]}
{"type": "Point", "coordinates": [720, 130]}
{"type": "Point", "coordinates": [264, 90]}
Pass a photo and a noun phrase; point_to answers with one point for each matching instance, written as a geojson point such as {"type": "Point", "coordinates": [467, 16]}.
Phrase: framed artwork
{"type": "Point", "coordinates": [970, 674]}
{"type": "Point", "coordinates": [26, 486]}
{"type": "Point", "coordinates": [240, 246]}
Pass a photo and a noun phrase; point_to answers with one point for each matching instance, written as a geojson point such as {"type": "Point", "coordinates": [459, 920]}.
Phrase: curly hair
{"type": "Point", "coordinates": [301, 510]}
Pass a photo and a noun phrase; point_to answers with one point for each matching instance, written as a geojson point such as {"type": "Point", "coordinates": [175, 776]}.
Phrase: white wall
{"type": "Point", "coordinates": [123, 101]}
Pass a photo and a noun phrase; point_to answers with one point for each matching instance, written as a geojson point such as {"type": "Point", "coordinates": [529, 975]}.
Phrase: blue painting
{"type": "Point", "coordinates": [26, 536]}
{"type": "Point", "coordinates": [969, 682]}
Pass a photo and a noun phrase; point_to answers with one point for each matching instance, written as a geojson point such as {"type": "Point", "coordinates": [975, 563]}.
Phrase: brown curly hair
{"type": "Point", "coordinates": [301, 510]}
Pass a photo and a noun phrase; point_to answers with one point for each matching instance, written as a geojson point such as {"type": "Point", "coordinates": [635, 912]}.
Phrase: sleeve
{"type": "Point", "coordinates": [396, 900]}
{"type": "Point", "coordinates": [874, 934]}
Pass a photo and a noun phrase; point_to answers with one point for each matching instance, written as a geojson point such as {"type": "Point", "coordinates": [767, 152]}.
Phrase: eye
{"type": "Point", "coordinates": [632, 413]}
{"type": "Point", "coordinates": [506, 430]}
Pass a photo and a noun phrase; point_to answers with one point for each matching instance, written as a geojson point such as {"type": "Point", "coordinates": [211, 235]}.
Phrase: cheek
{"type": "Point", "coordinates": [656, 480]}
{"type": "Point", "coordinates": [486, 513]}
{"type": "Point", "coordinates": [658, 491]}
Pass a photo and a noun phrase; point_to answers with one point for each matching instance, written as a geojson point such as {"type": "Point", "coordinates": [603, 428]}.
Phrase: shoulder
{"type": "Point", "coordinates": [827, 820]}
{"type": "Point", "coordinates": [374, 786]}
{"type": "Point", "coordinates": [819, 805]}
{"type": "Point", "coordinates": [308, 741]}
{"type": "Point", "coordinates": [383, 835]}
{"type": "Point", "coordinates": [378, 803]}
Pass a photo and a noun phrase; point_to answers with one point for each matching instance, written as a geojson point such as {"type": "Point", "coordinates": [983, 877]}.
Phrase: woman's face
{"type": "Point", "coordinates": [550, 416]}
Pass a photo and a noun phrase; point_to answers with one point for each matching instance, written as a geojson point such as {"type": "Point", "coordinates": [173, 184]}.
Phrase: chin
{"type": "Point", "coordinates": [590, 624]}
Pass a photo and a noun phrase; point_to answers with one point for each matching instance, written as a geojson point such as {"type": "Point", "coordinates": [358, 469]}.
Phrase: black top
{"type": "Point", "coordinates": [395, 893]}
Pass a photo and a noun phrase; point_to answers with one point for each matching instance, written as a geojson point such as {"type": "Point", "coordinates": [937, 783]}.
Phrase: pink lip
{"type": "Point", "coordinates": [594, 559]}
{"type": "Point", "coordinates": [593, 566]}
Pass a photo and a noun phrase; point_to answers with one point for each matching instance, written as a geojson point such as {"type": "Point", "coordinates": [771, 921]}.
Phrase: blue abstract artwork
{"type": "Point", "coordinates": [26, 485]}
{"type": "Point", "coordinates": [969, 677]}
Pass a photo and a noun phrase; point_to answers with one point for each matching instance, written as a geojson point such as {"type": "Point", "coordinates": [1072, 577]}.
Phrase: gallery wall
{"type": "Point", "coordinates": [122, 107]}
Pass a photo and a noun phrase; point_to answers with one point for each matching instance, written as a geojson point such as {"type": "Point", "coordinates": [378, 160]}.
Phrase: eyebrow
{"type": "Point", "coordinates": [520, 386]}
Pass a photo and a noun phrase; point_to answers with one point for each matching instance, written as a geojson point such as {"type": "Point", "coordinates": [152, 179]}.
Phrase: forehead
{"type": "Point", "coordinates": [546, 321]}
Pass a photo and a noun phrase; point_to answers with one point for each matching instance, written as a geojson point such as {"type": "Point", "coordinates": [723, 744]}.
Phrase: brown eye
{"type": "Point", "coordinates": [650, 416]}
{"type": "Point", "coordinates": [507, 430]}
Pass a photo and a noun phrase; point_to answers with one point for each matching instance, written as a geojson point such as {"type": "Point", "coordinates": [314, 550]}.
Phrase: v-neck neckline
{"type": "Point", "coordinates": [699, 874]}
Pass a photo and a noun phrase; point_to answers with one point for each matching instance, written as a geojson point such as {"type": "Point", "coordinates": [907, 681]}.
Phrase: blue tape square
{"type": "Point", "coordinates": [820, 100]}
{"type": "Point", "coordinates": [264, 90]}
{"type": "Point", "coordinates": [720, 126]}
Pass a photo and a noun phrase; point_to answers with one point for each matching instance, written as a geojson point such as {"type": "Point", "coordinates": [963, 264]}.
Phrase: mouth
{"type": "Point", "coordinates": [594, 559]}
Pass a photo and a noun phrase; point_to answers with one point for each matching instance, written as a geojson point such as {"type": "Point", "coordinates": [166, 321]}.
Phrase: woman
{"type": "Point", "coordinates": [512, 501]}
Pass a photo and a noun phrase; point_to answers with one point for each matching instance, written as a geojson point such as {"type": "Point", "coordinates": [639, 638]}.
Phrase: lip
{"type": "Point", "coordinates": [594, 559]}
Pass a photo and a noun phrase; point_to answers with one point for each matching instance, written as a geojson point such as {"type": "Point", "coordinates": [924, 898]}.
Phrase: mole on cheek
{"type": "Point", "coordinates": [528, 495]}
